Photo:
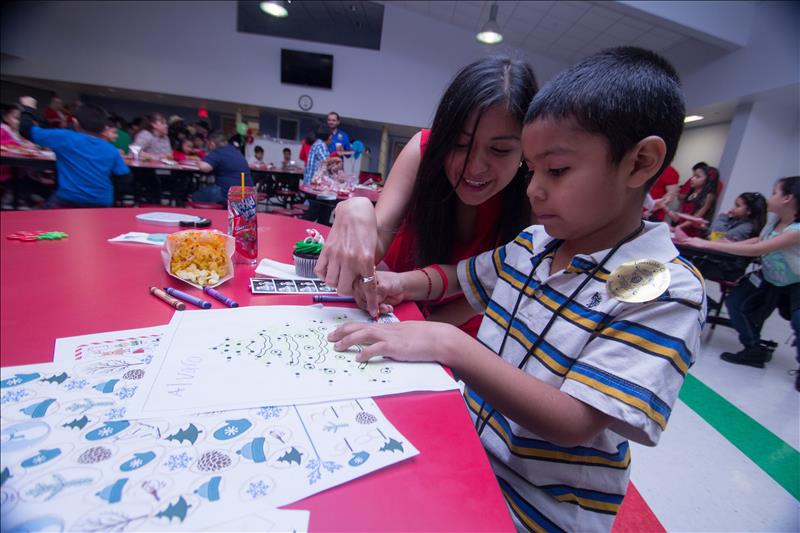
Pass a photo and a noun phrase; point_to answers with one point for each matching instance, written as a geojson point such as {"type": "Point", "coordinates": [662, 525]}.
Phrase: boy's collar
{"type": "Point", "coordinates": [653, 242]}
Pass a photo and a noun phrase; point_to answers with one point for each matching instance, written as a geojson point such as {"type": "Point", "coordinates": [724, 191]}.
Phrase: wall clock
{"type": "Point", "coordinates": [305, 102]}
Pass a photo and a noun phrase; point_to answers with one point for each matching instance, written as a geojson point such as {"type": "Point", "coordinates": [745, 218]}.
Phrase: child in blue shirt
{"type": "Point", "coordinates": [591, 319]}
{"type": "Point", "coordinates": [86, 163]}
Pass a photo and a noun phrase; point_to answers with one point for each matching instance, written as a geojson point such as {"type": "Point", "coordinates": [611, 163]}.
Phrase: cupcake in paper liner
{"type": "Point", "coordinates": [306, 253]}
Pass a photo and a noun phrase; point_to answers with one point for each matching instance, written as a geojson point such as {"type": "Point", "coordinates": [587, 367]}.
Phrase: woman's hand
{"type": "Point", "coordinates": [349, 251]}
{"type": "Point", "coordinates": [406, 341]}
{"type": "Point", "coordinates": [388, 288]}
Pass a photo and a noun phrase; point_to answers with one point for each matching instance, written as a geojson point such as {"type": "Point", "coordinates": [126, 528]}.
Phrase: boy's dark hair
{"type": "Point", "coordinates": [477, 87]}
{"type": "Point", "coordinates": [790, 185]}
{"type": "Point", "coordinates": [287, 150]}
{"type": "Point", "coordinates": [92, 118]}
{"type": "Point", "coordinates": [258, 149]}
{"type": "Point", "coordinates": [624, 94]}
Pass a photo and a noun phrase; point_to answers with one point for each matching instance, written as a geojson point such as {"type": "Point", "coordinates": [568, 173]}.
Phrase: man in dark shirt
{"type": "Point", "coordinates": [227, 163]}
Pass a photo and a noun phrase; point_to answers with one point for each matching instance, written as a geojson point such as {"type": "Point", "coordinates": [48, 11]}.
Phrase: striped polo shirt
{"type": "Point", "coordinates": [628, 360]}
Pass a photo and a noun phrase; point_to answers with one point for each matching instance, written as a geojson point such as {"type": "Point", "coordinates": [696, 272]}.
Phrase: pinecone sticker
{"type": "Point", "coordinates": [94, 455]}
{"type": "Point", "coordinates": [365, 418]}
{"type": "Point", "coordinates": [214, 461]}
{"type": "Point", "coordinates": [136, 373]}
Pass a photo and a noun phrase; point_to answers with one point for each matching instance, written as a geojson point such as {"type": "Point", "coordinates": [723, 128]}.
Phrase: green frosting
{"type": "Point", "coordinates": [303, 247]}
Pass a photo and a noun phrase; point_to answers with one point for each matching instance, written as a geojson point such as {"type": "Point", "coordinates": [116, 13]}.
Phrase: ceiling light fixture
{"type": "Point", "coordinates": [276, 9]}
{"type": "Point", "coordinates": [490, 33]}
{"type": "Point", "coordinates": [692, 118]}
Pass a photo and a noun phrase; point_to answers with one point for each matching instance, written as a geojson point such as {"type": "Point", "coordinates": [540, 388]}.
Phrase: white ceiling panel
{"type": "Point", "coordinates": [571, 11]}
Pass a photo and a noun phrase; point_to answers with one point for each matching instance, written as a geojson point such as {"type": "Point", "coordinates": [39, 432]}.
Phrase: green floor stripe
{"type": "Point", "coordinates": [774, 456]}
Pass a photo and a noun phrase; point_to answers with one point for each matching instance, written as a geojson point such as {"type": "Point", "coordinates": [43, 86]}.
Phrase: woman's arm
{"type": "Point", "coordinates": [751, 247]}
{"type": "Point", "coordinates": [361, 234]}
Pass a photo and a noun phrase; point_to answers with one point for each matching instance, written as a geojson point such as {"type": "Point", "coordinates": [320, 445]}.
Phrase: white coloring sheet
{"type": "Point", "coordinates": [223, 359]}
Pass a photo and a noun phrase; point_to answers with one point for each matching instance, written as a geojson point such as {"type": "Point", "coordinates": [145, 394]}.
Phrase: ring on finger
{"type": "Point", "coordinates": [368, 279]}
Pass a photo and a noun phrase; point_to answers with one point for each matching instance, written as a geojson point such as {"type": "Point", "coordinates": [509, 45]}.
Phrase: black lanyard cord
{"type": "Point", "coordinates": [553, 245]}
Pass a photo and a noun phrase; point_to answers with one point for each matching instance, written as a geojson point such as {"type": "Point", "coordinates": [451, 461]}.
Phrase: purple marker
{"type": "Point", "coordinates": [331, 298]}
{"type": "Point", "coordinates": [219, 296]}
{"type": "Point", "coordinates": [188, 298]}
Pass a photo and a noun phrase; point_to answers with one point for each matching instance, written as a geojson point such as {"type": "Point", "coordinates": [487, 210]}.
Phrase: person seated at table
{"type": "Point", "coordinates": [583, 367]}
{"type": "Point", "coordinates": [258, 157]}
{"type": "Point", "coordinates": [31, 188]}
{"type": "Point", "coordinates": [338, 141]}
{"type": "Point", "coordinates": [200, 146]}
{"type": "Point", "coordinates": [778, 282]}
{"type": "Point", "coordinates": [152, 140]}
{"type": "Point", "coordinates": [287, 165]}
{"type": "Point", "coordinates": [86, 163]}
{"type": "Point", "coordinates": [185, 151]}
{"type": "Point", "coordinates": [454, 191]}
{"type": "Point", "coordinates": [698, 196]}
{"type": "Point", "coordinates": [743, 221]}
{"type": "Point", "coordinates": [227, 163]}
{"type": "Point", "coordinates": [318, 152]}
{"type": "Point", "coordinates": [123, 140]}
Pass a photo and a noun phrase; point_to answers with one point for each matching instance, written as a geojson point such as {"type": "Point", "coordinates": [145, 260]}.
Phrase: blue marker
{"type": "Point", "coordinates": [188, 298]}
{"type": "Point", "coordinates": [219, 296]}
{"type": "Point", "coordinates": [331, 298]}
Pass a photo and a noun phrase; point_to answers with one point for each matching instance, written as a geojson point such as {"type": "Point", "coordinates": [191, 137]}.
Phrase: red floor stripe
{"type": "Point", "coordinates": [635, 515]}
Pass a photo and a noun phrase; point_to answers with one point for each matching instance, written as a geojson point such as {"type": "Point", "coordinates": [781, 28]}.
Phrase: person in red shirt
{"type": "Point", "coordinates": [454, 191]}
{"type": "Point", "coordinates": [664, 190]}
{"type": "Point", "coordinates": [306, 147]}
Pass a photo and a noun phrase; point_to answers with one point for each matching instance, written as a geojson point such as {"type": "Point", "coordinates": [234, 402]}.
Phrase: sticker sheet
{"type": "Point", "coordinates": [289, 286]}
{"type": "Point", "coordinates": [222, 359]}
{"type": "Point", "coordinates": [71, 460]}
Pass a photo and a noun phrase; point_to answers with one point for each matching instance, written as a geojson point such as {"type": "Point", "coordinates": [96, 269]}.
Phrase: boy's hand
{"type": "Point", "coordinates": [388, 292]}
{"type": "Point", "coordinates": [406, 341]}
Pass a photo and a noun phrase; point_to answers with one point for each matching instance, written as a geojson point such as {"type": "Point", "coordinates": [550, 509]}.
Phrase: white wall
{"type": "Point", "coordinates": [770, 60]}
{"type": "Point", "coordinates": [763, 145]}
{"type": "Point", "coordinates": [194, 50]}
{"type": "Point", "coordinates": [701, 143]}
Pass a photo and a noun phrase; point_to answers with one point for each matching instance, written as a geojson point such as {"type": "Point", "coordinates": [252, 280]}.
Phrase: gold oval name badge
{"type": "Point", "coordinates": [642, 280]}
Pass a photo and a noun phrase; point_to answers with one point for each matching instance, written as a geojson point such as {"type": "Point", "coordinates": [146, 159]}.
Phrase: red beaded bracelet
{"type": "Point", "coordinates": [442, 275]}
{"type": "Point", "coordinates": [430, 283]}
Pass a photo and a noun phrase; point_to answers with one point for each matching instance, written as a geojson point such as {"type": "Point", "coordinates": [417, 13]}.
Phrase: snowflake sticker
{"type": "Point", "coordinates": [106, 431]}
{"type": "Point", "coordinates": [231, 431]}
{"type": "Point", "coordinates": [147, 360]}
{"type": "Point", "coordinates": [76, 384]}
{"type": "Point", "coordinates": [179, 461]}
{"type": "Point", "coordinates": [116, 413]}
{"type": "Point", "coordinates": [127, 392]}
{"type": "Point", "coordinates": [14, 396]}
{"type": "Point", "coordinates": [257, 489]}
{"type": "Point", "coordinates": [270, 412]}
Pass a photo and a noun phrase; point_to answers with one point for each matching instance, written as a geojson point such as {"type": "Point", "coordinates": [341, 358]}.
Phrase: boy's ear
{"type": "Point", "coordinates": [646, 158]}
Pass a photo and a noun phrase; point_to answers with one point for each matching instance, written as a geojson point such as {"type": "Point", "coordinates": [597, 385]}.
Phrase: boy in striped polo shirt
{"type": "Point", "coordinates": [595, 317]}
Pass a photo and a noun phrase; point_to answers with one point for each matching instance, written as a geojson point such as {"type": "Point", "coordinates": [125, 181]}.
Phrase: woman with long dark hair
{"type": "Point", "coordinates": [454, 191]}
{"type": "Point", "coordinates": [698, 197]}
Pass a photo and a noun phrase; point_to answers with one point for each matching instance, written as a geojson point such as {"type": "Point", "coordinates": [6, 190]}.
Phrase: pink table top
{"type": "Point", "coordinates": [84, 284]}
